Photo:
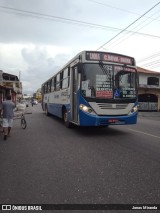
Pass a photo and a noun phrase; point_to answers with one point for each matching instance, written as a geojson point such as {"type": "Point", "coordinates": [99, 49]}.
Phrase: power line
{"type": "Point", "coordinates": [69, 21]}
{"type": "Point", "coordinates": [154, 55]}
{"type": "Point", "coordinates": [117, 8]}
{"type": "Point", "coordinates": [59, 19]}
{"type": "Point", "coordinates": [151, 63]}
{"type": "Point", "coordinates": [129, 25]}
{"type": "Point", "coordinates": [155, 66]}
{"type": "Point", "coordinates": [121, 39]}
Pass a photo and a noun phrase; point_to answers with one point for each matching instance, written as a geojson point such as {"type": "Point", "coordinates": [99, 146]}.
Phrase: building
{"type": "Point", "coordinates": [10, 84]}
{"type": "Point", "coordinates": [4, 91]}
{"type": "Point", "coordinates": [149, 90]}
{"type": "Point", "coordinates": [27, 96]}
{"type": "Point", "coordinates": [37, 95]}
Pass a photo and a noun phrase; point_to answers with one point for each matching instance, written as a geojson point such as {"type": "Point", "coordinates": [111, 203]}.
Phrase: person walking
{"type": "Point", "coordinates": [7, 113]}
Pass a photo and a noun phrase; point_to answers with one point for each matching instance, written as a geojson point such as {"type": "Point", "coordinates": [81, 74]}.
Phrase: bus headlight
{"type": "Point", "coordinates": [134, 109]}
{"type": "Point", "coordinates": [86, 109]}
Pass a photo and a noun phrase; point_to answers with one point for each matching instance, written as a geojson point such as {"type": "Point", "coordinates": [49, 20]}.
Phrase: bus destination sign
{"type": "Point", "coordinates": [110, 57]}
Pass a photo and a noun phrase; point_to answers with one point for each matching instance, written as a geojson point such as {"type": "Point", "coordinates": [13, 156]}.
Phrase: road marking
{"type": "Point", "coordinates": [155, 136]}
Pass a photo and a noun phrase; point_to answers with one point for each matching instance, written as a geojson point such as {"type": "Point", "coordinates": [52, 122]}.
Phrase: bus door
{"type": "Point", "coordinates": [74, 98]}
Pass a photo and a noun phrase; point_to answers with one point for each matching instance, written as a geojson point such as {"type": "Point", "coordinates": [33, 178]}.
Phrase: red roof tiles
{"type": "Point", "coordinates": [141, 70]}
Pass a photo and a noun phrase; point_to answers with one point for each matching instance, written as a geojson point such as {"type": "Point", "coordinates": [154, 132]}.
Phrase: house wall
{"type": "Point", "coordinates": [144, 88]}
{"type": "Point", "coordinates": [143, 77]}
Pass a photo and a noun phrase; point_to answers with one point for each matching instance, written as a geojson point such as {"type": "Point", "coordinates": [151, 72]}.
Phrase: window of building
{"type": "Point", "coordinates": [12, 78]}
{"type": "Point", "coordinates": [5, 77]}
{"type": "Point", "coordinates": [153, 81]}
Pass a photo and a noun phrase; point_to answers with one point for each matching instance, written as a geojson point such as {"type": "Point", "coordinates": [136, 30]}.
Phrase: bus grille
{"type": "Point", "coordinates": [112, 106]}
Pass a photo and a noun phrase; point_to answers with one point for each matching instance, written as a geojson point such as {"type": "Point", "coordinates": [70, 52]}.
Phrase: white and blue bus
{"type": "Point", "coordinates": [93, 89]}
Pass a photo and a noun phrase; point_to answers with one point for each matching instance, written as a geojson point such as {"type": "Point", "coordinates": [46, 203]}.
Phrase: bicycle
{"type": "Point", "coordinates": [23, 122]}
{"type": "Point", "coordinates": [21, 116]}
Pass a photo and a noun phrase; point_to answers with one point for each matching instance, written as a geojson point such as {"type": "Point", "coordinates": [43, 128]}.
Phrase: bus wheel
{"type": "Point", "coordinates": [65, 119]}
{"type": "Point", "coordinates": [46, 111]}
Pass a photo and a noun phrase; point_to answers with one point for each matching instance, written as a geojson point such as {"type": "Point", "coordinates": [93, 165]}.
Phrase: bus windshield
{"type": "Point", "coordinates": [108, 81]}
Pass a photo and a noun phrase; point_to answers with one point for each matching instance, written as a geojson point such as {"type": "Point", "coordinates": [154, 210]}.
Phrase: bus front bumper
{"type": "Point", "coordinates": [86, 119]}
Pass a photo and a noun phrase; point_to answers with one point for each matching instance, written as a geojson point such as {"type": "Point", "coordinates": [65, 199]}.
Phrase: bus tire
{"type": "Point", "coordinates": [46, 111]}
{"type": "Point", "coordinates": [65, 119]}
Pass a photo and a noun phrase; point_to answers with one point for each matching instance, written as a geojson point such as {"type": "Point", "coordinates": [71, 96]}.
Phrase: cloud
{"type": "Point", "coordinates": [36, 63]}
{"type": "Point", "coordinates": [39, 25]}
{"type": "Point", "coordinates": [42, 64]}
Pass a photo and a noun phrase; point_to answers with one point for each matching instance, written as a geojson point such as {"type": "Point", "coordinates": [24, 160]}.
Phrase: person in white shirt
{"type": "Point", "coordinates": [7, 113]}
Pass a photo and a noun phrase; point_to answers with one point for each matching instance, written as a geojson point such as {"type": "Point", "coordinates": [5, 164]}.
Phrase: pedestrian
{"type": "Point", "coordinates": [32, 102]}
{"type": "Point", "coordinates": [7, 114]}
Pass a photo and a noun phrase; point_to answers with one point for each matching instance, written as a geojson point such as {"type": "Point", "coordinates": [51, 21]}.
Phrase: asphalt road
{"type": "Point", "coordinates": [49, 164]}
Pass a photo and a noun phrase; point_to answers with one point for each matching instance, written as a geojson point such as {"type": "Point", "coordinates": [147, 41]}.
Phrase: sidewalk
{"type": "Point", "coordinates": [149, 114]}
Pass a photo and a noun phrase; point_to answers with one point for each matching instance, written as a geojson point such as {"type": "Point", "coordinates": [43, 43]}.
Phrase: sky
{"type": "Point", "coordinates": [38, 37]}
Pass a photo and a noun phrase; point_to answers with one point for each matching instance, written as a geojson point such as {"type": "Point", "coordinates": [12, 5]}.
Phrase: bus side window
{"type": "Point", "coordinates": [49, 85]}
{"type": "Point", "coordinates": [68, 77]}
{"type": "Point", "coordinates": [42, 89]}
{"type": "Point", "coordinates": [61, 79]}
{"type": "Point", "coordinates": [55, 83]}
{"type": "Point", "coordinates": [52, 86]}
{"type": "Point", "coordinates": [46, 87]}
{"type": "Point", "coordinates": [58, 82]}
{"type": "Point", "coordinates": [65, 79]}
